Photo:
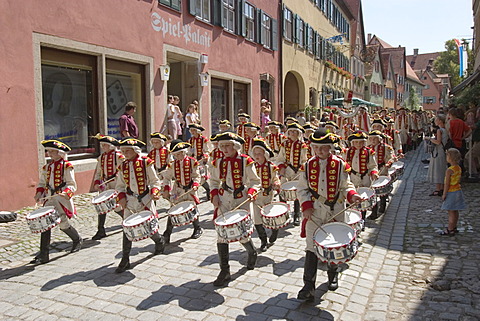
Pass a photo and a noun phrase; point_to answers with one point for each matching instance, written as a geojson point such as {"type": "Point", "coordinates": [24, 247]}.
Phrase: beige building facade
{"type": "Point", "coordinates": [315, 53]}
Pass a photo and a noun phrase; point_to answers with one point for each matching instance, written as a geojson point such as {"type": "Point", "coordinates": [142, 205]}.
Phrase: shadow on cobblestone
{"type": "Point", "coordinates": [191, 296]}
{"type": "Point", "coordinates": [281, 307]}
{"type": "Point", "coordinates": [17, 271]}
{"type": "Point", "coordinates": [241, 257]}
{"type": "Point", "coordinates": [104, 276]}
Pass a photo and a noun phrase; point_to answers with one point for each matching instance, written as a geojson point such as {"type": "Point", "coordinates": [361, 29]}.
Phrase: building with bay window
{"type": "Point", "coordinates": [69, 68]}
{"type": "Point", "coordinates": [315, 53]}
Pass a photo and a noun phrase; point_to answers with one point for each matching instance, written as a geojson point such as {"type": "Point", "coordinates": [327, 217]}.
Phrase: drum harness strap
{"type": "Point", "coordinates": [142, 195]}
{"type": "Point", "coordinates": [236, 192]}
{"type": "Point", "coordinates": [59, 187]}
{"type": "Point", "coordinates": [317, 196]}
{"type": "Point", "coordinates": [295, 169]}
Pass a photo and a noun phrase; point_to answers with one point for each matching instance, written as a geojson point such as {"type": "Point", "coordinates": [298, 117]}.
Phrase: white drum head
{"type": "Point", "coordinates": [181, 207]}
{"type": "Point", "coordinates": [365, 192]}
{"type": "Point", "coordinates": [103, 196]}
{"type": "Point", "coordinates": [274, 209]}
{"type": "Point", "coordinates": [231, 217]}
{"type": "Point", "coordinates": [391, 171]}
{"type": "Point", "coordinates": [381, 181]}
{"type": "Point", "coordinates": [398, 164]}
{"type": "Point", "coordinates": [40, 212]}
{"type": "Point", "coordinates": [353, 216]}
{"type": "Point", "coordinates": [338, 234]}
{"type": "Point", "coordinates": [137, 218]}
{"type": "Point", "coordinates": [290, 186]}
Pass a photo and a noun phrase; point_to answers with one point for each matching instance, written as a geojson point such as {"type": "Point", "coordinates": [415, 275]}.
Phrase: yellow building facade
{"type": "Point", "coordinates": [315, 53]}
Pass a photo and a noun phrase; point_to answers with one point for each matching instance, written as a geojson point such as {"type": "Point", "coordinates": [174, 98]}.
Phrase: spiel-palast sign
{"type": "Point", "coordinates": [172, 29]}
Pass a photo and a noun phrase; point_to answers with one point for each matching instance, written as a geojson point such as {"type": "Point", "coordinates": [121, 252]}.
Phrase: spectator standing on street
{"type": "Point", "coordinates": [265, 111]}
{"type": "Point", "coordinates": [190, 118]}
{"type": "Point", "coordinates": [458, 130]}
{"type": "Point", "coordinates": [128, 127]}
{"type": "Point", "coordinates": [474, 152]}
{"type": "Point", "coordinates": [178, 116]}
{"type": "Point", "coordinates": [453, 199]}
{"type": "Point", "coordinates": [438, 162]}
{"type": "Point", "coordinates": [301, 118]}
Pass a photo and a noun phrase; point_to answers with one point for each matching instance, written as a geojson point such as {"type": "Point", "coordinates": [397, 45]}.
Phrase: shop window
{"type": "Point", "coordinates": [70, 111]}
{"type": "Point", "coordinates": [219, 102]}
{"type": "Point", "coordinates": [228, 9]}
{"type": "Point", "coordinates": [240, 102]}
{"type": "Point", "coordinates": [124, 83]}
{"type": "Point", "coordinates": [174, 4]}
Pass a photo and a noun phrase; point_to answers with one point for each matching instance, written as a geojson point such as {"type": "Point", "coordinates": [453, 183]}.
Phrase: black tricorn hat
{"type": "Point", "coordinates": [229, 136]}
{"type": "Point", "coordinates": [261, 143]}
{"type": "Point", "coordinates": [106, 139]}
{"type": "Point", "coordinates": [55, 144]}
{"type": "Point", "coordinates": [131, 142]}
{"type": "Point", "coordinates": [159, 136]}
{"type": "Point", "coordinates": [196, 126]}
{"type": "Point", "coordinates": [296, 126]}
{"type": "Point", "coordinates": [318, 137]}
{"type": "Point", "coordinates": [177, 145]}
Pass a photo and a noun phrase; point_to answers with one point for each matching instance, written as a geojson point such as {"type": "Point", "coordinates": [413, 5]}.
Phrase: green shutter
{"type": "Point", "coordinates": [240, 28]}
{"type": "Point", "coordinates": [274, 29]}
{"type": "Point", "coordinates": [191, 7]}
{"type": "Point", "coordinates": [296, 30]}
{"type": "Point", "coordinates": [260, 39]}
{"type": "Point", "coordinates": [284, 25]}
{"type": "Point", "coordinates": [218, 13]}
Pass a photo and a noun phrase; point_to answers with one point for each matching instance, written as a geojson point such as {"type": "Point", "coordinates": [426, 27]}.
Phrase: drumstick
{"type": "Point", "coordinates": [346, 208]}
{"type": "Point", "coordinates": [245, 201]}
{"type": "Point", "coordinates": [104, 183]}
{"type": "Point", "coordinates": [184, 193]}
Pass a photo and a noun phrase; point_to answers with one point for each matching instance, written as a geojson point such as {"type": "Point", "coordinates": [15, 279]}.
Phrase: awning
{"type": "Point", "coordinates": [472, 79]}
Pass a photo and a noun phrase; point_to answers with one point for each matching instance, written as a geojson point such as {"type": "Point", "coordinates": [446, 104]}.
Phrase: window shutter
{"type": "Point", "coordinates": [260, 39]}
{"type": "Point", "coordinates": [305, 35]}
{"type": "Point", "coordinates": [241, 20]}
{"type": "Point", "coordinates": [296, 28]}
{"type": "Point", "coordinates": [274, 29]}
{"type": "Point", "coordinates": [191, 7]}
{"type": "Point", "coordinates": [218, 13]}
{"type": "Point", "coordinates": [284, 22]}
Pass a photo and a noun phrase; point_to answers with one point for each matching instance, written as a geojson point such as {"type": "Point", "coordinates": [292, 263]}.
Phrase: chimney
{"type": "Point", "coordinates": [415, 52]}
{"type": "Point", "coordinates": [369, 37]}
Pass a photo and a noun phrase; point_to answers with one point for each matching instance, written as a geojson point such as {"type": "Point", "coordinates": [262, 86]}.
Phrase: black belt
{"type": "Point", "coordinates": [56, 189]}
{"type": "Point", "coordinates": [162, 168]}
{"type": "Point", "coordinates": [381, 165]}
{"type": "Point", "coordinates": [357, 173]}
{"type": "Point", "coordinates": [138, 196]}
{"type": "Point", "coordinates": [237, 193]}
{"type": "Point", "coordinates": [295, 169]}
{"type": "Point", "coordinates": [185, 187]}
{"type": "Point", "coordinates": [331, 204]}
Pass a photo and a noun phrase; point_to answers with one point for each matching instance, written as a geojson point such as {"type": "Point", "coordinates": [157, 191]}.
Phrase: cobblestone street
{"type": "Point", "coordinates": [403, 271]}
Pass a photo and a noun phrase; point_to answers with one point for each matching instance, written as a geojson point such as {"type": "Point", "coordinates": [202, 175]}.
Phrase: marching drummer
{"type": "Point", "coordinates": [309, 130]}
{"type": "Point", "coordinates": [361, 159]}
{"type": "Point", "coordinates": [216, 153]}
{"type": "Point", "coordinates": [293, 153]}
{"type": "Point", "coordinates": [138, 186]}
{"type": "Point", "coordinates": [385, 156]}
{"type": "Point", "coordinates": [159, 153]}
{"type": "Point", "coordinates": [394, 138]}
{"type": "Point", "coordinates": [200, 150]}
{"type": "Point", "coordinates": [324, 187]}
{"type": "Point", "coordinates": [268, 173]}
{"type": "Point", "coordinates": [233, 180]}
{"type": "Point", "coordinates": [251, 133]}
{"type": "Point", "coordinates": [274, 137]}
{"type": "Point", "coordinates": [224, 126]}
{"type": "Point", "coordinates": [180, 183]}
{"type": "Point", "coordinates": [105, 174]}
{"type": "Point", "coordinates": [243, 118]}
{"type": "Point", "coordinates": [55, 188]}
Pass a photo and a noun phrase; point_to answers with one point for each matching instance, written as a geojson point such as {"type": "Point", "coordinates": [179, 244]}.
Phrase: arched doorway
{"type": "Point", "coordinates": [293, 98]}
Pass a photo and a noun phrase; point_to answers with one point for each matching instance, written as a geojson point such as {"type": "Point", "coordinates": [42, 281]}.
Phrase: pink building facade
{"type": "Point", "coordinates": [69, 67]}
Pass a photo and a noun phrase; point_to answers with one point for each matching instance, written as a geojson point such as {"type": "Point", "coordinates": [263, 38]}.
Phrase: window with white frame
{"type": "Point", "coordinates": [228, 7]}
{"type": "Point", "coordinates": [288, 23]}
{"type": "Point", "coordinates": [174, 4]}
{"type": "Point", "coordinates": [249, 12]}
{"type": "Point", "coordinates": [310, 39]}
{"type": "Point", "coordinates": [202, 9]}
{"type": "Point", "coordinates": [266, 31]}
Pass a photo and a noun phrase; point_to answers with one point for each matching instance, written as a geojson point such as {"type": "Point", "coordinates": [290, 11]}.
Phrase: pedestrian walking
{"type": "Point", "coordinates": [453, 199]}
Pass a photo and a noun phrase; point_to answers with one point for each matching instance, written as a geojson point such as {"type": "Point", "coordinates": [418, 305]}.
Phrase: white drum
{"type": "Point", "coordinates": [392, 172]}
{"type": "Point", "coordinates": [289, 191]}
{"type": "Point", "coordinates": [354, 219]}
{"type": "Point", "coordinates": [335, 243]}
{"type": "Point", "coordinates": [399, 168]}
{"type": "Point", "coordinates": [234, 225]}
{"type": "Point", "coordinates": [140, 226]}
{"type": "Point", "coordinates": [275, 215]}
{"type": "Point", "coordinates": [183, 213]}
{"type": "Point", "coordinates": [382, 186]}
{"type": "Point", "coordinates": [369, 197]}
{"type": "Point", "coordinates": [105, 201]}
{"type": "Point", "coordinates": [43, 219]}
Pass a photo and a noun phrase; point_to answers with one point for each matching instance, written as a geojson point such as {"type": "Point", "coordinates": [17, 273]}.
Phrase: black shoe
{"type": "Point", "coordinates": [252, 254]}
{"type": "Point", "coordinates": [264, 246]}
{"type": "Point", "coordinates": [332, 280]}
{"type": "Point", "coordinates": [197, 233]}
{"type": "Point", "coordinates": [40, 260]}
{"type": "Point", "coordinates": [296, 220]}
{"type": "Point", "coordinates": [222, 278]}
{"type": "Point", "coordinates": [159, 243]}
{"type": "Point", "coordinates": [123, 266]}
{"type": "Point", "coordinates": [273, 236]}
{"type": "Point", "coordinates": [374, 214]}
{"type": "Point", "coordinates": [99, 235]}
{"type": "Point", "coordinates": [306, 294]}
{"type": "Point", "coordinates": [77, 245]}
